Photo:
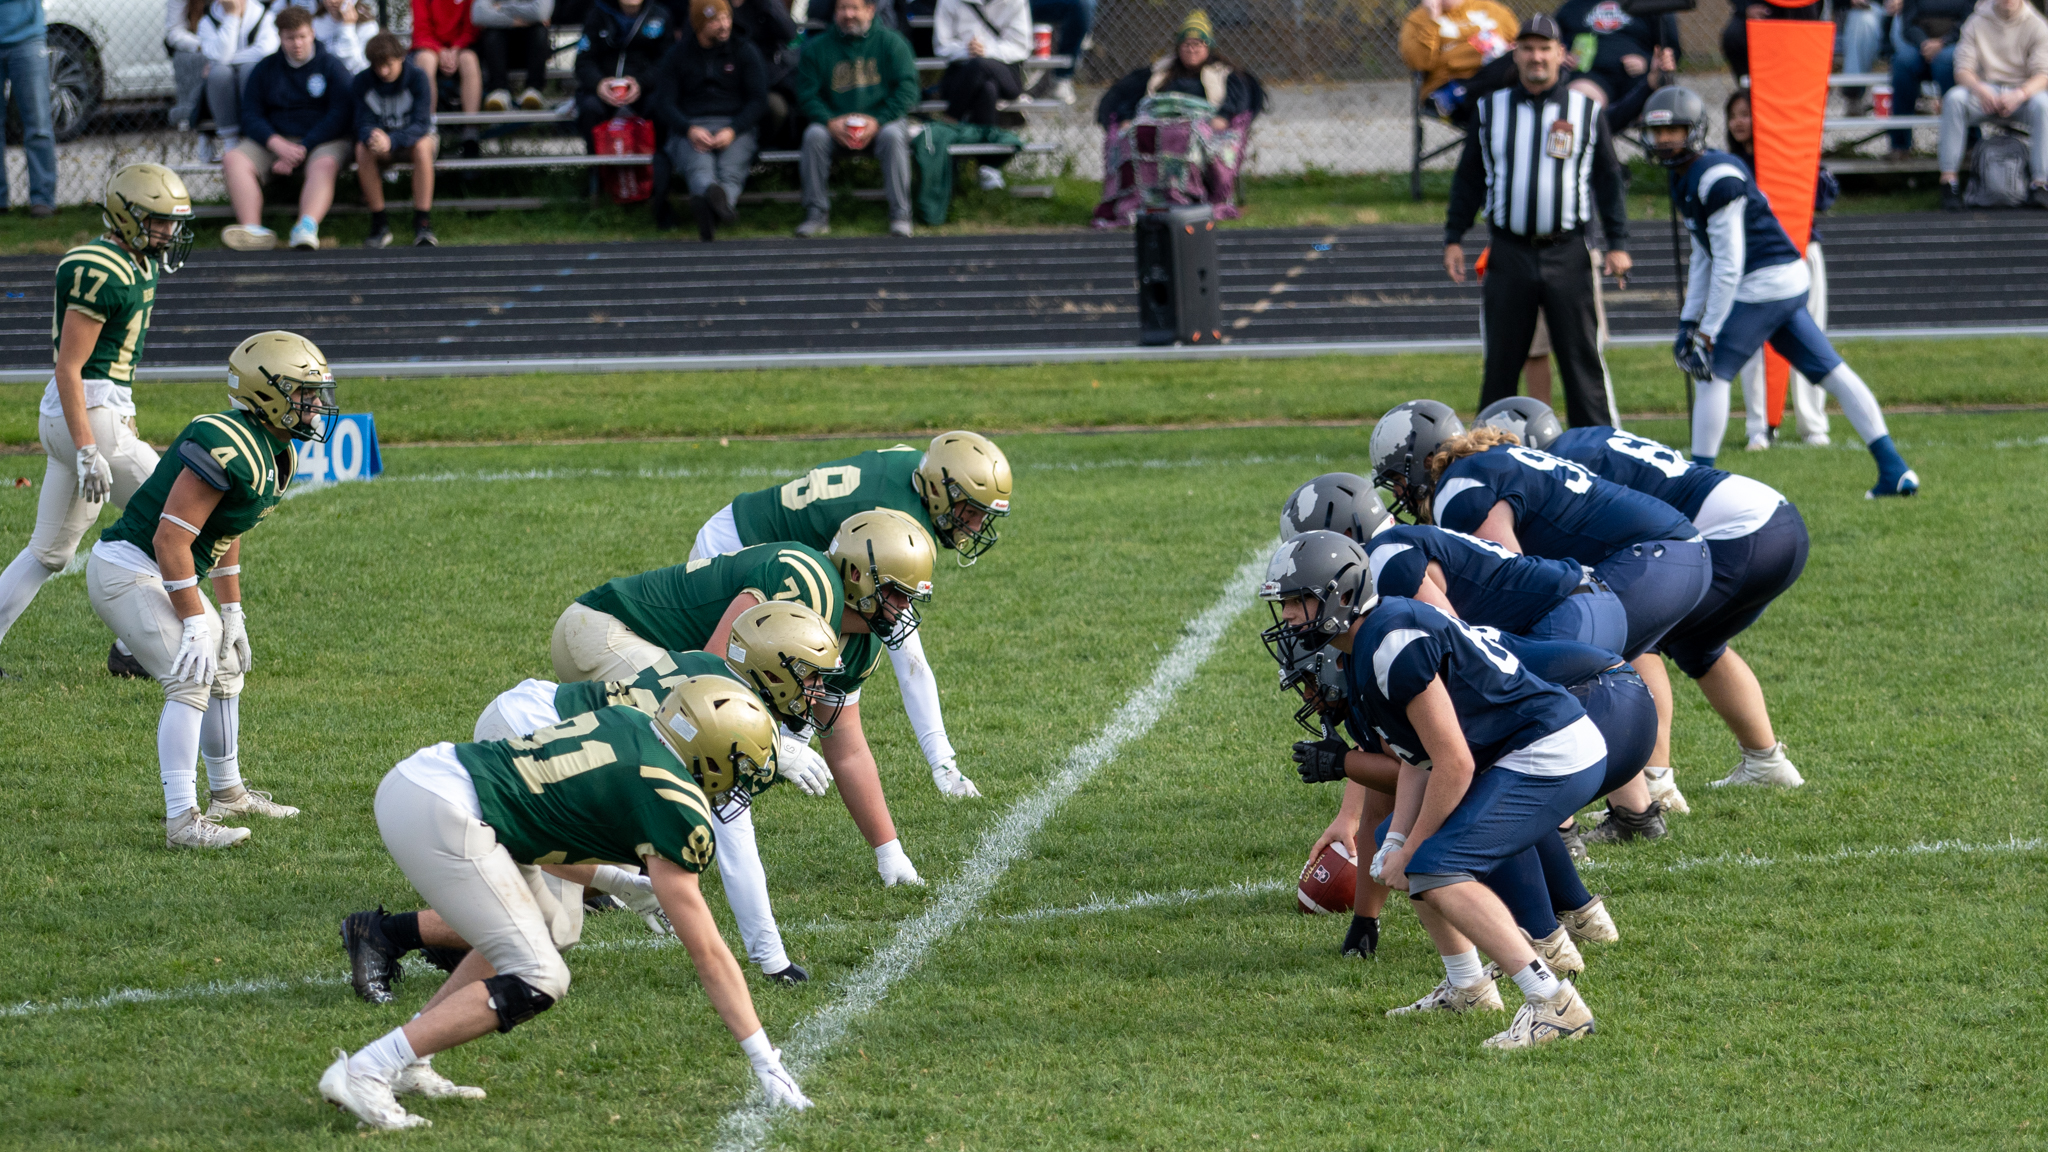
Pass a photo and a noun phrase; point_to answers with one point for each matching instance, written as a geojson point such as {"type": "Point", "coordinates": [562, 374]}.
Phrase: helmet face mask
{"type": "Point", "coordinates": [964, 481]}
{"type": "Point", "coordinates": [309, 405]}
{"type": "Point", "coordinates": [1530, 420]}
{"type": "Point", "coordinates": [140, 200]}
{"type": "Point", "coordinates": [1401, 444]}
{"type": "Point", "coordinates": [1319, 680]}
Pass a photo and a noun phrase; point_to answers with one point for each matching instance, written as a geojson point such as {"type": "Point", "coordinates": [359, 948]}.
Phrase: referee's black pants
{"type": "Point", "coordinates": [1557, 277]}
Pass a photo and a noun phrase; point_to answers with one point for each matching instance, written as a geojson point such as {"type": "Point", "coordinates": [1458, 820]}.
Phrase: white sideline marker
{"type": "Point", "coordinates": [745, 1128]}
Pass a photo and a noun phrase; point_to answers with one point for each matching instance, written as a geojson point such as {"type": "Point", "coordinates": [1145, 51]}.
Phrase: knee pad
{"type": "Point", "coordinates": [53, 558]}
{"type": "Point", "coordinates": [515, 1000]}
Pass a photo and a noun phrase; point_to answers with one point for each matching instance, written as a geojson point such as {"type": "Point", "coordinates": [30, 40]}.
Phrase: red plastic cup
{"type": "Point", "coordinates": [1881, 100]}
{"type": "Point", "coordinates": [1041, 40]}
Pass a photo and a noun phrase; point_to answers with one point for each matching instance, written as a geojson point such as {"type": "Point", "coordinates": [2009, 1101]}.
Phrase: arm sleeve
{"type": "Point", "coordinates": [785, 27]}
{"type": "Point", "coordinates": [1909, 23]}
{"type": "Point", "coordinates": [920, 691]}
{"type": "Point", "coordinates": [359, 99]}
{"type": "Point", "coordinates": [75, 286]}
{"type": "Point", "coordinates": [1405, 662]}
{"type": "Point", "coordinates": [1418, 40]}
{"type": "Point", "coordinates": [217, 456]}
{"type": "Point", "coordinates": [1730, 253]}
{"type": "Point", "coordinates": [255, 108]}
{"type": "Point", "coordinates": [341, 110]}
{"type": "Point", "coordinates": [175, 33]}
{"type": "Point", "coordinates": [1468, 187]}
{"type": "Point", "coordinates": [901, 76]}
{"type": "Point", "coordinates": [754, 85]}
{"type": "Point", "coordinates": [1699, 274]}
{"type": "Point", "coordinates": [1610, 187]}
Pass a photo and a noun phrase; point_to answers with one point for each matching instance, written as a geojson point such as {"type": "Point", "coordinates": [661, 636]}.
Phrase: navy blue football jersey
{"type": "Point", "coordinates": [1485, 582]}
{"type": "Point", "coordinates": [1502, 707]}
{"type": "Point", "coordinates": [1648, 467]}
{"type": "Point", "coordinates": [1716, 180]}
{"type": "Point", "coordinates": [1561, 510]}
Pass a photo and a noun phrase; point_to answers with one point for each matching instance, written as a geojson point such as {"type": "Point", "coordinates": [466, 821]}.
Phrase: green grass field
{"type": "Point", "coordinates": [1857, 964]}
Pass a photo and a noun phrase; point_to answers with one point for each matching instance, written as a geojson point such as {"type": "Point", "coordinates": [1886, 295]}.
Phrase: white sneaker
{"type": "Point", "coordinates": [1063, 91]}
{"type": "Point", "coordinates": [499, 100]}
{"type": "Point", "coordinates": [1562, 1017]}
{"type": "Point", "coordinates": [901, 229]}
{"type": "Point", "coordinates": [249, 804]}
{"type": "Point", "coordinates": [1591, 924]}
{"type": "Point", "coordinates": [419, 1079]}
{"type": "Point", "coordinates": [248, 237]}
{"type": "Point", "coordinates": [1816, 440]}
{"type": "Point", "coordinates": [1480, 997]}
{"type": "Point", "coordinates": [991, 179]}
{"type": "Point", "coordinates": [1769, 767]}
{"type": "Point", "coordinates": [366, 1098]}
{"type": "Point", "coordinates": [1663, 785]}
{"type": "Point", "coordinates": [1759, 444]}
{"type": "Point", "coordinates": [532, 100]}
{"type": "Point", "coordinates": [191, 830]}
{"type": "Point", "coordinates": [306, 234]}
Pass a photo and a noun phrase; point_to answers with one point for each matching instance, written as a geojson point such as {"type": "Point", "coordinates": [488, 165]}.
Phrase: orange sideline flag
{"type": "Point", "coordinates": [1788, 97]}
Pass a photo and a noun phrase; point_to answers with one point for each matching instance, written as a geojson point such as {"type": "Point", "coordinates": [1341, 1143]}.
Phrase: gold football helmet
{"type": "Point", "coordinates": [962, 468]}
{"type": "Point", "coordinates": [777, 647]}
{"type": "Point", "coordinates": [885, 564]}
{"type": "Point", "coordinates": [720, 731]}
{"type": "Point", "coordinates": [283, 378]}
{"type": "Point", "coordinates": [140, 194]}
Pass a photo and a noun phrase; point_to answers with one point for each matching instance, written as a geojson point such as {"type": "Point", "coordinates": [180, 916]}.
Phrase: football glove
{"type": "Point", "coordinates": [95, 476]}
{"type": "Point", "coordinates": [1394, 840]}
{"type": "Point", "coordinates": [798, 764]}
{"type": "Point", "coordinates": [776, 1082]}
{"type": "Point", "coordinates": [1320, 761]}
{"type": "Point", "coordinates": [644, 904]}
{"type": "Point", "coordinates": [234, 636]}
{"type": "Point", "coordinates": [197, 658]}
{"type": "Point", "coordinates": [1693, 351]}
{"type": "Point", "coordinates": [950, 783]}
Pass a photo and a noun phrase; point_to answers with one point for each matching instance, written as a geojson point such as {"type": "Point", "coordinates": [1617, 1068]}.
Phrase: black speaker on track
{"type": "Point", "coordinates": [1179, 300]}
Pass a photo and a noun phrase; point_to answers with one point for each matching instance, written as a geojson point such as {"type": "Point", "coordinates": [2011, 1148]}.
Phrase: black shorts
{"type": "Point", "coordinates": [1749, 572]}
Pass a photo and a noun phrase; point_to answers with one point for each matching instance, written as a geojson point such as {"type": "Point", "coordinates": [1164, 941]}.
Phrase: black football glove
{"type": "Point", "coordinates": [1320, 761]}
{"type": "Point", "coordinates": [1363, 938]}
{"type": "Point", "coordinates": [1693, 351]}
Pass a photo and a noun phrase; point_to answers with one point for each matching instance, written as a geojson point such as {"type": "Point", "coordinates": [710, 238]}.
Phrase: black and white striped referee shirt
{"type": "Point", "coordinates": [1539, 165]}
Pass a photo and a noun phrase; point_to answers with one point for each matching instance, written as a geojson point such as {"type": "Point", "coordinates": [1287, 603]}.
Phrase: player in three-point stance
{"type": "Point", "coordinates": [469, 825]}
{"type": "Point", "coordinates": [1748, 287]}
{"type": "Point", "coordinates": [222, 475]}
{"type": "Point", "coordinates": [957, 488]}
{"type": "Point", "coordinates": [1491, 759]}
{"type": "Point", "coordinates": [106, 291]}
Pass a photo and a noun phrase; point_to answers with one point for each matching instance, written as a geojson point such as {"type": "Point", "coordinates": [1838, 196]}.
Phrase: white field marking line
{"type": "Point", "coordinates": [207, 990]}
{"type": "Point", "coordinates": [1840, 855]}
{"type": "Point", "coordinates": [1149, 900]}
{"type": "Point", "coordinates": [746, 1127]}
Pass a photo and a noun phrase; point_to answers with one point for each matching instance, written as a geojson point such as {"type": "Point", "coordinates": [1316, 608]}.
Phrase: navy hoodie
{"type": "Point", "coordinates": [311, 103]}
{"type": "Point", "coordinates": [404, 108]}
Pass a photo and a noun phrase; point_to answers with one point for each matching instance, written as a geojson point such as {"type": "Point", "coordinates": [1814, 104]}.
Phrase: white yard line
{"type": "Point", "coordinates": [1838, 856]}
{"type": "Point", "coordinates": [746, 1127]}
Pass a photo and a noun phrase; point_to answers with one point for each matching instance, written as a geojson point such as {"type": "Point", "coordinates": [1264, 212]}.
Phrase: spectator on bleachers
{"type": "Point", "coordinates": [234, 35]}
{"type": "Point", "coordinates": [1071, 21]}
{"type": "Point", "coordinates": [711, 91]}
{"type": "Point", "coordinates": [299, 105]}
{"type": "Point", "coordinates": [1735, 33]}
{"type": "Point", "coordinates": [513, 34]}
{"type": "Point", "coordinates": [982, 42]}
{"type": "Point", "coordinates": [2001, 66]}
{"type": "Point", "coordinates": [856, 83]}
{"type": "Point", "coordinates": [1612, 50]}
{"type": "Point", "coordinates": [1174, 132]}
{"type": "Point", "coordinates": [617, 59]}
{"type": "Point", "coordinates": [394, 115]}
{"type": "Point", "coordinates": [444, 47]}
{"type": "Point", "coordinates": [1449, 41]}
{"type": "Point", "coordinates": [344, 27]}
{"type": "Point", "coordinates": [1930, 29]}
{"type": "Point", "coordinates": [766, 25]}
{"type": "Point", "coordinates": [188, 61]}
{"type": "Point", "coordinates": [1861, 23]}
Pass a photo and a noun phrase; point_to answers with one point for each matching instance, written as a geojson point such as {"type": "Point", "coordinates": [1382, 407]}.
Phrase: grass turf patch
{"type": "Point", "coordinates": [905, 400]}
{"type": "Point", "coordinates": [1769, 989]}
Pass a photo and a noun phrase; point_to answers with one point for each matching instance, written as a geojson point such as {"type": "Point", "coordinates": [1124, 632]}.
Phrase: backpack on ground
{"type": "Point", "coordinates": [1998, 174]}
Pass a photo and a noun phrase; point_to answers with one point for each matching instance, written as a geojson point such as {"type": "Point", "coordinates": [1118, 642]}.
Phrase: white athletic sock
{"type": "Point", "coordinates": [1537, 981]}
{"type": "Point", "coordinates": [613, 880]}
{"type": "Point", "coordinates": [177, 754]}
{"type": "Point", "coordinates": [18, 585]}
{"type": "Point", "coordinates": [1709, 417]}
{"type": "Point", "coordinates": [1857, 402]}
{"type": "Point", "coordinates": [1464, 969]}
{"type": "Point", "coordinates": [383, 1057]}
{"type": "Point", "coordinates": [220, 741]}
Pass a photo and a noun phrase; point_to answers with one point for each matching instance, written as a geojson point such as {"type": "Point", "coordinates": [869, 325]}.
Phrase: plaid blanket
{"type": "Point", "coordinates": [1170, 155]}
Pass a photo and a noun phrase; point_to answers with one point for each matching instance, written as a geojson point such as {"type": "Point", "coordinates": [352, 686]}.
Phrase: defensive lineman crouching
{"type": "Point", "coordinates": [464, 822]}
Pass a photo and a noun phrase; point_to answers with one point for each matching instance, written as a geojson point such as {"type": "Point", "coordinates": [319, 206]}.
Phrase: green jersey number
{"type": "Point", "coordinates": [540, 772]}
{"type": "Point", "coordinates": [820, 484]}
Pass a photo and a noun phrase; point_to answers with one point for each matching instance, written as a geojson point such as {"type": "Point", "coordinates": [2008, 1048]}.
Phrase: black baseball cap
{"type": "Point", "coordinates": [1541, 24]}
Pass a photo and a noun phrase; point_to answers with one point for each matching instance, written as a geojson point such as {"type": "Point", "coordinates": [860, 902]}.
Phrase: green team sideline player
{"type": "Point", "coordinates": [469, 824]}
{"type": "Point", "coordinates": [779, 649]}
{"type": "Point", "coordinates": [875, 570]}
{"type": "Point", "coordinates": [106, 290]}
{"type": "Point", "coordinates": [958, 488]}
{"type": "Point", "coordinates": [222, 475]}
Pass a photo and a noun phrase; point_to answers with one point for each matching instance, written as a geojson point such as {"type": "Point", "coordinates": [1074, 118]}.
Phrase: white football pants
{"type": "Point", "coordinates": [62, 515]}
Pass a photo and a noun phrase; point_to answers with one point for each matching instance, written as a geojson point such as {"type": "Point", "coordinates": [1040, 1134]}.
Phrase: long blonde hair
{"type": "Point", "coordinates": [1466, 444]}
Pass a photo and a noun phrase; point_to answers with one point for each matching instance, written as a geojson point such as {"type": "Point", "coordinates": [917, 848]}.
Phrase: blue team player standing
{"type": "Point", "coordinates": [1748, 287]}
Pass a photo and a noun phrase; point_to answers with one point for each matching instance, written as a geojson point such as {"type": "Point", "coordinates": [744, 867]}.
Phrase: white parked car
{"type": "Point", "coordinates": [103, 51]}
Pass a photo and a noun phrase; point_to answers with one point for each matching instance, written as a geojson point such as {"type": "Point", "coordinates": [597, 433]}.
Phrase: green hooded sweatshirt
{"type": "Point", "coordinates": [840, 74]}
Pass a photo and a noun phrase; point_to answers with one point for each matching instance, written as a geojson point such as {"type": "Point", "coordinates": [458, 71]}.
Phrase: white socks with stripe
{"type": "Point", "coordinates": [384, 1057]}
{"type": "Point", "coordinates": [1537, 981]}
{"type": "Point", "coordinates": [177, 754]}
{"type": "Point", "coordinates": [1464, 969]}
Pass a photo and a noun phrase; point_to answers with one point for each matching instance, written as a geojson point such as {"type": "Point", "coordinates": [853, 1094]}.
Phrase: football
{"type": "Point", "coordinates": [1328, 884]}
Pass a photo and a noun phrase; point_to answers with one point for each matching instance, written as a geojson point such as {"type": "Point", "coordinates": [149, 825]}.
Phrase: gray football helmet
{"type": "Point", "coordinates": [1401, 445]}
{"type": "Point", "coordinates": [1675, 107]}
{"type": "Point", "coordinates": [1531, 420]}
{"type": "Point", "coordinates": [1336, 501]}
{"type": "Point", "coordinates": [1332, 568]}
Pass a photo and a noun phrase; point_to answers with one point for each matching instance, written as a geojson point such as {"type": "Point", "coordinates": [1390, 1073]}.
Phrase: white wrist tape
{"type": "Point", "coordinates": [180, 523]}
{"type": "Point", "coordinates": [181, 585]}
{"type": "Point", "coordinates": [225, 570]}
{"type": "Point", "coordinates": [1396, 839]}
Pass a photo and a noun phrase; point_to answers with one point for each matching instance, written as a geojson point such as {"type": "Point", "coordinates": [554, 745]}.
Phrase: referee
{"type": "Point", "coordinates": [1539, 162]}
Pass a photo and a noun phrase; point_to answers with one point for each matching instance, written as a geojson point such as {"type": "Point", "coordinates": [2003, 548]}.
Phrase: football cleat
{"type": "Point", "coordinates": [122, 664]}
{"type": "Point", "coordinates": [1769, 767]}
{"type": "Point", "coordinates": [1574, 839]}
{"type": "Point", "coordinates": [1558, 951]}
{"type": "Point", "coordinates": [1591, 924]}
{"type": "Point", "coordinates": [1562, 1017]}
{"type": "Point", "coordinates": [192, 830]}
{"type": "Point", "coordinates": [1622, 825]}
{"type": "Point", "coordinates": [1906, 483]}
{"type": "Point", "coordinates": [790, 975]}
{"type": "Point", "coordinates": [248, 804]}
{"type": "Point", "coordinates": [1480, 997]}
{"type": "Point", "coordinates": [419, 1079]}
{"type": "Point", "coordinates": [595, 901]}
{"type": "Point", "coordinates": [372, 958]}
{"type": "Point", "coordinates": [1663, 784]}
{"type": "Point", "coordinates": [366, 1098]}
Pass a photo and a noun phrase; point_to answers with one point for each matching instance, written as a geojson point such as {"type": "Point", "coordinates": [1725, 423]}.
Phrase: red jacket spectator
{"type": "Point", "coordinates": [440, 25]}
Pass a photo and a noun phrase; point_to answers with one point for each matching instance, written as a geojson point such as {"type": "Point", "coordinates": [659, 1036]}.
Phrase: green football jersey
{"type": "Point", "coordinates": [233, 453]}
{"type": "Point", "coordinates": [680, 606]}
{"type": "Point", "coordinates": [101, 280]}
{"type": "Point", "coordinates": [596, 788]}
{"type": "Point", "coordinates": [810, 508]}
{"type": "Point", "coordinates": [646, 692]}
{"type": "Point", "coordinates": [861, 652]}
